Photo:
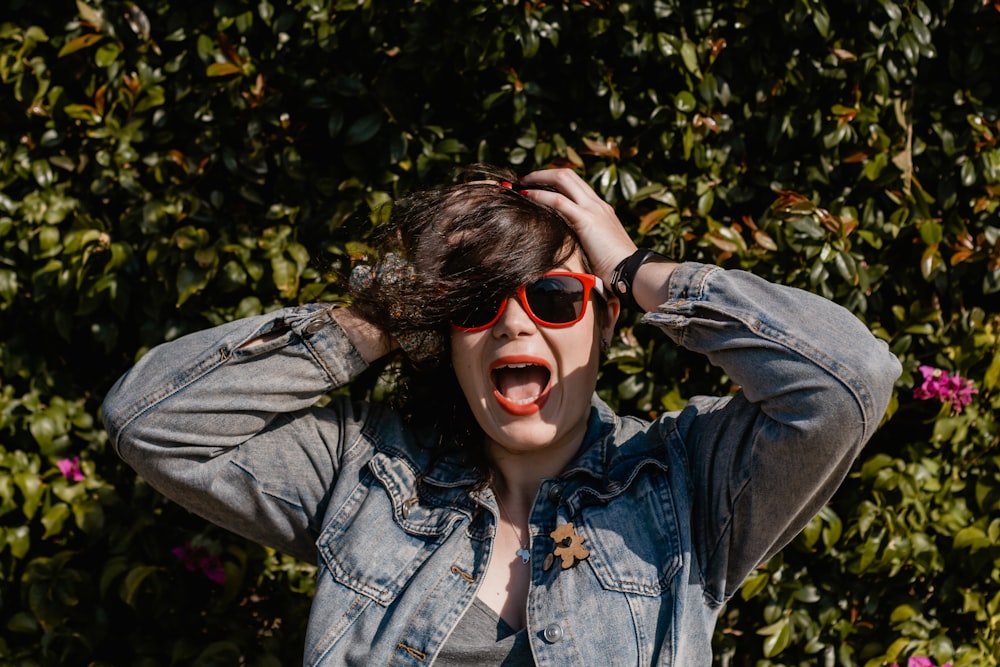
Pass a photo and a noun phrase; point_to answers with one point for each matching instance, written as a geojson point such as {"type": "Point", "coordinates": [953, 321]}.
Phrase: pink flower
{"type": "Point", "coordinates": [70, 468]}
{"type": "Point", "coordinates": [921, 661]}
{"type": "Point", "coordinates": [198, 558]}
{"type": "Point", "coordinates": [952, 389]}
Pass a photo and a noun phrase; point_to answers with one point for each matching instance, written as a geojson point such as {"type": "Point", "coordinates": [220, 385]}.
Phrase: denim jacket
{"type": "Point", "coordinates": [674, 512]}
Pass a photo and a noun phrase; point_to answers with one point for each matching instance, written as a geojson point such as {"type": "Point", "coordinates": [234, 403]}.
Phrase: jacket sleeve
{"type": "Point", "coordinates": [182, 415]}
{"type": "Point", "coordinates": [814, 384]}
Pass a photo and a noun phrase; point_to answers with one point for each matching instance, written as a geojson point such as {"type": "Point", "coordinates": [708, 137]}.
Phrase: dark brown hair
{"type": "Point", "coordinates": [465, 243]}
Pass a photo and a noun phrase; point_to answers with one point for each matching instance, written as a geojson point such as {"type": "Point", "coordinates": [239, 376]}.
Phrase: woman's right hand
{"type": "Point", "coordinates": [604, 239]}
{"type": "Point", "coordinates": [371, 342]}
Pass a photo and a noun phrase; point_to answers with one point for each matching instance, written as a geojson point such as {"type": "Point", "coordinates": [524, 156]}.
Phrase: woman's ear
{"type": "Point", "coordinates": [614, 309]}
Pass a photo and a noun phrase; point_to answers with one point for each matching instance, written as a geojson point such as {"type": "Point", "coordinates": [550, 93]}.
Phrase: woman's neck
{"type": "Point", "coordinates": [517, 475]}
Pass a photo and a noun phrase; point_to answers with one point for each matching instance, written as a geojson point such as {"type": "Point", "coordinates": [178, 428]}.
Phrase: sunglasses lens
{"type": "Point", "coordinates": [556, 299]}
{"type": "Point", "coordinates": [478, 316]}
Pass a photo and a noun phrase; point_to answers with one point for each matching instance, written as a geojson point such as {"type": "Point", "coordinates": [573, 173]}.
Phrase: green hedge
{"type": "Point", "coordinates": [165, 166]}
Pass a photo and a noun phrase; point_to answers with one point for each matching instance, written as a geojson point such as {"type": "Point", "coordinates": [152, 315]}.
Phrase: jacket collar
{"type": "Point", "coordinates": [612, 448]}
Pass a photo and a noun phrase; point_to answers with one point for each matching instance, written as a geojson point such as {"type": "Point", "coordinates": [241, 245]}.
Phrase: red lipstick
{"type": "Point", "coordinates": [523, 370]}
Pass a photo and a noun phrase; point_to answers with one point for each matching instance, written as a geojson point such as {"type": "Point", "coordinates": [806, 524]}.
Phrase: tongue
{"type": "Point", "coordinates": [522, 383]}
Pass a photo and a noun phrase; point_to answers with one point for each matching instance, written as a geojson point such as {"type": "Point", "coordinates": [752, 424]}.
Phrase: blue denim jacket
{"type": "Point", "coordinates": [675, 512]}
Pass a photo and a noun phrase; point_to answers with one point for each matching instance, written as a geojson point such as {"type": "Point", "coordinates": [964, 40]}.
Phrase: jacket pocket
{"type": "Point", "coordinates": [382, 534]}
{"type": "Point", "coordinates": [633, 537]}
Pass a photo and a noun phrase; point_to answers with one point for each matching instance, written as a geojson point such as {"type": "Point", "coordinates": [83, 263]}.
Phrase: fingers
{"type": "Point", "coordinates": [604, 240]}
{"type": "Point", "coordinates": [566, 181]}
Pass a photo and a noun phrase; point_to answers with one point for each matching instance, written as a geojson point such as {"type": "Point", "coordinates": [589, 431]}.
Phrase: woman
{"type": "Point", "coordinates": [502, 513]}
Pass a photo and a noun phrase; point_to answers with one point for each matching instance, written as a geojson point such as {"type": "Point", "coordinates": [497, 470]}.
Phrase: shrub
{"type": "Point", "coordinates": [166, 166]}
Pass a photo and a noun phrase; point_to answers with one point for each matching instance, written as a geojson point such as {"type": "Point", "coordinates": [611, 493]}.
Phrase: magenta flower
{"type": "Point", "coordinates": [921, 661]}
{"type": "Point", "coordinates": [70, 468]}
{"type": "Point", "coordinates": [952, 389]}
{"type": "Point", "coordinates": [197, 558]}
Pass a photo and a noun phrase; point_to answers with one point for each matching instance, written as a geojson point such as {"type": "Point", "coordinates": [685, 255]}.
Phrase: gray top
{"type": "Point", "coordinates": [483, 638]}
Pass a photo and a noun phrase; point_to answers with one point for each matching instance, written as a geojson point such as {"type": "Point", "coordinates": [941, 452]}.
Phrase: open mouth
{"type": "Point", "coordinates": [521, 384]}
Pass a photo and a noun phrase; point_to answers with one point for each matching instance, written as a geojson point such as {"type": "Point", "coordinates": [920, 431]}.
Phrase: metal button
{"type": "Point", "coordinates": [314, 327]}
{"type": "Point", "coordinates": [553, 633]}
{"type": "Point", "coordinates": [555, 492]}
{"type": "Point", "coordinates": [405, 509]}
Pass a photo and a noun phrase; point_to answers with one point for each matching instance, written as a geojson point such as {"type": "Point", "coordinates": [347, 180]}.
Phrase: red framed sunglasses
{"type": "Point", "coordinates": [557, 299]}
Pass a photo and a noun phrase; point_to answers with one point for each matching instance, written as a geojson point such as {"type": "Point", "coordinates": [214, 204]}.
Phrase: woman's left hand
{"type": "Point", "coordinates": [604, 240]}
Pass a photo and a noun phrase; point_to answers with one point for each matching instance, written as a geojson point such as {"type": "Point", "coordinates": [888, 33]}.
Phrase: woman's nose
{"type": "Point", "coordinates": [514, 320]}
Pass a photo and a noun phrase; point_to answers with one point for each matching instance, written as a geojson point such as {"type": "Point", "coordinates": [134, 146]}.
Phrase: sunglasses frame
{"type": "Point", "coordinates": [589, 281]}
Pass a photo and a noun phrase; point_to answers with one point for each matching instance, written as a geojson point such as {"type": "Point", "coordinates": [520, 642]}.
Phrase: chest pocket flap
{"type": "Point", "coordinates": [382, 534]}
{"type": "Point", "coordinates": [632, 532]}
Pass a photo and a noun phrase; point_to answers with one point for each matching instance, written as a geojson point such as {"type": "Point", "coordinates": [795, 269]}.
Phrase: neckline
{"type": "Point", "coordinates": [504, 629]}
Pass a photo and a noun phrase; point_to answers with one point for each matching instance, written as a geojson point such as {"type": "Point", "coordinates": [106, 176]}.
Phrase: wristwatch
{"type": "Point", "coordinates": [624, 274]}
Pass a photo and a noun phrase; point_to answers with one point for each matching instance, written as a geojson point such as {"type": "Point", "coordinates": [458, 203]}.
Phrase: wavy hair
{"type": "Point", "coordinates": [466, 242]}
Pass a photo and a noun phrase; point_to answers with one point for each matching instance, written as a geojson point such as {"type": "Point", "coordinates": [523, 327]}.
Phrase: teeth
{"type": "Point", "coordinates": [514, 389]}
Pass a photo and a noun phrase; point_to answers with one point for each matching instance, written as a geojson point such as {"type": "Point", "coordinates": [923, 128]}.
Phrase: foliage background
{"type": "Point", "coordinates": [165, 166]}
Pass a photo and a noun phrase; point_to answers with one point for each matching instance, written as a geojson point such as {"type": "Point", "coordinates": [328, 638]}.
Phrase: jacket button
{"type": "Point", "coordinates": [405, 509]}
{"type": "Point", "coordinates": [553, 633]}
{"type": "Point", "coordinates": [314, 327]}
{"type": "Point", "coordinates": [555, 492]}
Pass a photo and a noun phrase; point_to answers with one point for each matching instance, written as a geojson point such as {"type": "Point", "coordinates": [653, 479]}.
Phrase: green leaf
{"type": "Point", "coordinates": [285, 275]}
{"type": "Point", "coordinates": [920, 30]}
{"type": "Point", "coordinates": [19, 541]}
{"type": "Point", "coordinates": [990, 377]}
{"type": "Point", "coordinates": [902, 613]}
{"type": "Point", "coordinates": [821, 20]}
{"type": "Point", "coordinates": [222, 69]}
{"type": "Point", "coordinates": [107, 54]}
{"type": "Point", "coordinates": [110, 572]}
{"type": "Point", "coordinates": [8, 287]}
{"type": "Point", "coordinates": [79, 43]}
{"type": "Point", "coordinates": [776, 639]}
{"type": "Point", "coordinates": [89, 515]}
{"type": "Point", "coordinates": [93, 16]}
{"type": "Point", "coordinates": [190, 282]}
{"type": "Point", "coordinates": [972, 538]}
{"type": "Point", "coordinates": [689, 54]}
{"type": "Point", "coordinates": [363, 129]}
{"type": "Point", "coordinates": [134, 581]}
{"type": "Point", "coordinates": [754, 584]}
{"type": "Point", "coordinates": [685, 102]}
{"type": "Point", "coordinates": [32, 489]}
{"type": "Point", "coordinates": [616, 104]}
{"type": "Point", "coordinates": [931, 262]}
{"type": "Point", "coordinates": [54, 518]}
{"type": "Point", "coordinates": [931, 232]}
{"type": "Point", "coordinates": [23, 622]}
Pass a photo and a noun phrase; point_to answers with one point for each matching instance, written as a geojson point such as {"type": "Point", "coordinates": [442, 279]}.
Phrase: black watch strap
{"type": "Point", "coordinates": [624, 274]}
